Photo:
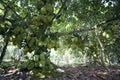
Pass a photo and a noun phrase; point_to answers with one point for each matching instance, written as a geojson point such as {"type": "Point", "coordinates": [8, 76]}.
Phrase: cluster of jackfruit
{"type": "Point", "coordinates": [38, 64]}
{"type": "Point", "coordinates": [46, 13]}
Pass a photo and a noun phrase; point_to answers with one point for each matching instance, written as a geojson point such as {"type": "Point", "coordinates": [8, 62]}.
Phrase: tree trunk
{"type": "Point", "coordinates": [3, 51]}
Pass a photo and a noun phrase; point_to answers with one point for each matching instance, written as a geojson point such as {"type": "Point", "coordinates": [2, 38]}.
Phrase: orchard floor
{"type": "Point", "coordinates": [71, 73]}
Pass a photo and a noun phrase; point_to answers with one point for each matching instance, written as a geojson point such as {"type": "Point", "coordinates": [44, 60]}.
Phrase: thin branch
{"type": "Point", "coordinates": [70, 32]}
{"type": "Point", "coordinates": [8, 4]}
{"type": "Point", "coordinates": [84, 30]}
{"type": "Point", "coordinates": [109, 20]}
{"type": "Point", "coordinates": [96, 34]}
{"type": "Point", "coordinates": [4, 50]}
{"type": "Point", "coordinates": [5, 13]}
{"type": "Point", "coordinates": [15, 12]}
{"type": "Point", "coordinates": [102, 49]}
{"type": "Point", "coordinates": [6, 9]}
{"type": "Point", "coordinates": [60, 10]}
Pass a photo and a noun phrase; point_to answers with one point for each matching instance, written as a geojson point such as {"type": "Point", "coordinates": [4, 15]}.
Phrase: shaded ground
{"type": "Point", "coordinates": [71, 73]}
{"type": "Point", "coordinates": [90, 73]}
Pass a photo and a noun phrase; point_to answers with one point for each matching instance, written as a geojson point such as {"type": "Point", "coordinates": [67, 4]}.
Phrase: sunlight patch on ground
{"type": "Point", "coordinates": [65, 58]}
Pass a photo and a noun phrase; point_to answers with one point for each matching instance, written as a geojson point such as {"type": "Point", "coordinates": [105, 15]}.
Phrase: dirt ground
{"type": "Point", "coordinates": [71, 73]}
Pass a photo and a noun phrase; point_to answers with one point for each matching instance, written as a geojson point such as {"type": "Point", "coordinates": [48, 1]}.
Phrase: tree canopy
{"type": "Point", "coordinates": [91, 26]}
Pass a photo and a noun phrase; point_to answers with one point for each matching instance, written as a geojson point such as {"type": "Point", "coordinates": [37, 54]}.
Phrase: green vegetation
{"type": "Point", "coordinates": [89, 28]}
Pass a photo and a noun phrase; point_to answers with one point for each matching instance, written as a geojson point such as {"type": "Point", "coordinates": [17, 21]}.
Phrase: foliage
{"type": "Point", "coordinates": [6, 65]}
{"type": "Point", "coordinates": [91, 26]}
{"type": "Point", "coordinates": [40, 65]}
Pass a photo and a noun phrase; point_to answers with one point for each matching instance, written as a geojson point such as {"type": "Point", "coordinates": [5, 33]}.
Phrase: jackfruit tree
{"type": "Point", "coordinates": [92, 26]}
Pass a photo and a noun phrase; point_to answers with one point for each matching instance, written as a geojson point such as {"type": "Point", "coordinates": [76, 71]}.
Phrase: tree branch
{"type": "Point", "coordinates": [8, 4]}
{"type": "Point", "coordinates": [70, 32]}
{"type": "Point", "coordinates": [102, 55]}
{"type": "Point", "coordinates": [109, 20]}
{"type": "Point", "coordinates": [6, 9]}
{"type": "Point", "coordinates": [60, 10]}
{"type": "Point", "coordinates": [2, 19]}
{"type": "Point", "coordinates": [84, 30]}
{"type": "Point", "coordinates": [15, 12]}
{"type": "Point", "coordinates": [4, 50]}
